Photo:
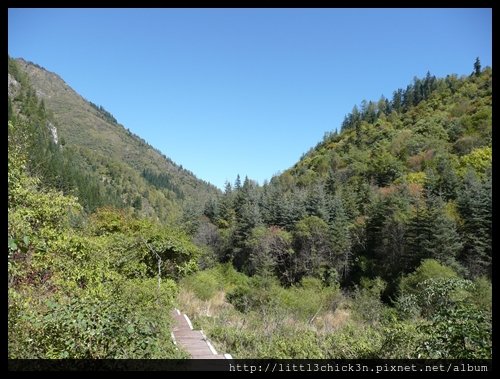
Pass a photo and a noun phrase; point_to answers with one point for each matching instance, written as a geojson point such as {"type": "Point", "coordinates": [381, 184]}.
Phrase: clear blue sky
{"type": "Point", "coordinates": [228, 91]}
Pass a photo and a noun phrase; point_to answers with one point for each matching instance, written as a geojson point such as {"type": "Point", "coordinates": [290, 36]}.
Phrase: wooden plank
{"type": "Point", "coordinates": [193, 341]}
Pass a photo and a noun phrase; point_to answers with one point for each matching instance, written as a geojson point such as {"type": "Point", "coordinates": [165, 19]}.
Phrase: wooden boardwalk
{"type": "Point", "coordinates": [193, 341]}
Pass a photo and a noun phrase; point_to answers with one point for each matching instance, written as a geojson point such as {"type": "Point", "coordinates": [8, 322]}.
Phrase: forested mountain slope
{"type": "Point", "coordinates": [96, 157]}
{"type": "Point", "coordinates": [88, 276]}
{"type": "Point", "coordinates": [376, 244]}
{"type": "Point", "coordinates": [404, 180]}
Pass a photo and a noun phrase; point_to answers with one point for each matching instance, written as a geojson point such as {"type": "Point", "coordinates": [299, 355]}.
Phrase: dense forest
{"type": "Point", "coordinates": [375, 244]}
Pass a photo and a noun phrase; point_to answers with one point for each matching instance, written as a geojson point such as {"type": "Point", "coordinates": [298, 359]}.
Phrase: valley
{"type": "Point", "coordinates": [377, 243]}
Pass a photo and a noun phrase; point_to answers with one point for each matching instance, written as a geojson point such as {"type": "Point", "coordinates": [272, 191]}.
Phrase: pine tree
{"type": "Point", "coordinates": [477, 67]}
{"type": "Point", "coordinates": [340, 255]}
{"type": "Point", "coordinates": [474, 203]}
{"type": "Point", "coordinates": [408, 98]}
{"type": "Point", "coordinates": [445, 244]}
{"type": "Point", "coordinates": [315, 203]}
{"type": "Point", "coordinates": [397, 100]}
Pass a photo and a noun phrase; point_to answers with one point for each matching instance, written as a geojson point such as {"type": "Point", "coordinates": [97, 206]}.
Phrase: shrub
{"type": "Point", "coordinates": [428, 269]}
{"type": "Point", "coordinates": [461, 332]}
{"type": "Point", "coordinates": [204, 284]}
{"type": "Point", "coordinates": [87, 327]}
{"type": "Point", "coordinates": [366, 302]}
{"type": "Point", "coordinates": [353, 342]}
{"type": "Point", "coordinates": [401, 341]}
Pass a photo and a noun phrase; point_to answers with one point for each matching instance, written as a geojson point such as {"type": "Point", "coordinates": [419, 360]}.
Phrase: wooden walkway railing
{"type": "Point", "coordinates": [193, 341]}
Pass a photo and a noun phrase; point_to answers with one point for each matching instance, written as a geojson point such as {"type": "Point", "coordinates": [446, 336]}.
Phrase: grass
{"type": "Point", "coordinates": [305, 321]}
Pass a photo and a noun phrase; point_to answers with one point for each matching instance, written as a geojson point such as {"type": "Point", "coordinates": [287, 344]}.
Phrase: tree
{"type": "Point", "coordinates": [315, 202]}
{"type": "Point", "coordinates": [474, 204]}
{"type": "Point", "coordinates": [137, 203]}
{"type": "Point", "coordinates": [432, 234]}
{"type": "Point", "coordinates": [477, 67]}
{"type": "Point", "coordinates": [445, 243]}
{"type": "Point", "coordinates": [397, 100]}
{"type": "Point", "coordinates": [340, 253]}
{"type": "Point", "coordinates": [442, 178]}
{"type": "Point", "coordinates": [312, 246]}
{"type": "Point", "coordinates": [408, 97]}
{"type": "Point", "coordinates": [270, 252]}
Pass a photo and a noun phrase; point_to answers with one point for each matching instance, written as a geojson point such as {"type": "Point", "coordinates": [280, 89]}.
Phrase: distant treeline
{"type": "Point", "coordinates": [104, 113]}
{"type": "Point", "coordinates": [161, 181]}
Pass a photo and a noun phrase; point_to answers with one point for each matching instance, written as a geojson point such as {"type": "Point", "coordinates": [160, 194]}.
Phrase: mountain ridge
{"type": "Point", "coordinates": [96, 135]}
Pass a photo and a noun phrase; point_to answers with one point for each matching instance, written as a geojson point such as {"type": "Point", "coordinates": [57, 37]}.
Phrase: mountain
{"type": "Point", "coordinates": [431, 117]}
{"type": "Point", "coordinates": [125, 170]}
{"type": "Point", "coordinates": [405, 180]}
{"type": "Point", "coordinates": [376, 244]}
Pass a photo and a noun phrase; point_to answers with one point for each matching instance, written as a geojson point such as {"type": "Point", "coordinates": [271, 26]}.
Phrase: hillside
{"type": "Point", "coordinates": [376, 244]}
{"type": "Point", "coordinates": [364, 190]}
{"type": "Point", "coordinates": [127, 171]}
{"type": "Point", "coordinates": [91, 270]}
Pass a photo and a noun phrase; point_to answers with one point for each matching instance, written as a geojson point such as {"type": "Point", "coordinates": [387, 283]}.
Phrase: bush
{"type": "Point", "coordinates": [306, 345]}
{"type": "Point", "coordinates": [481, 294]}
{"type": "Point", "coordinates": [308, 299]}
{"type": "Point", "coordinates": [401, 341]}
{"type": "Point", "coordinates": [354, 342]}
{"type": "Point", "coordinates": [302, 301]}
{"type": "Point", "coordinates": [87, 327]}
{"type": "Point", "coordinates": [230, 277]}
{"type": "Point", "coordinates": [428, 269]}
{"type": "Point", "coordinates": [461, 332]}
{"type": "Point", "coordinates": [204, 284]}
{"type": "Point", "coordinates": [366, 302]}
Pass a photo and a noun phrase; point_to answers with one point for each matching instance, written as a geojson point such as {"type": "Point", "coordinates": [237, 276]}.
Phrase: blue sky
{"type": "Point", "coordinates": [248, 91]}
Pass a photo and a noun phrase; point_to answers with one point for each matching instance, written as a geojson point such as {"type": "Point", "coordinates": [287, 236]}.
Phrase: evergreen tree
{"type": "Point", "coordinates": [211, 210]}
{"type": "Point", "coordinates": [340, 255]}
{"type": "Point", "coordinates": [445, 244]}
{"type": "Point", "coordinates": [397, 100]}
{"type": "Point", "coordinates": [315, 203]}
{"type": "Point", "coordinates": [477, 67]}
{"type": "Point", "coordinates": [237, 183]}
{"type": "Point", "coordinates": [475, 208]}
{"type": "Point", "coordinates": [408, 98]}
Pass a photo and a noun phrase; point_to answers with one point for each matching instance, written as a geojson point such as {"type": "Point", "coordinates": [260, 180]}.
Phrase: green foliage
{"type": "Point", "coordinates": [86, 289]}
{"type": "Point", "coordinates": [86, 327]}
{"type": "Point", "coordinates": [481, 294]}
{"type": "Point", "coordinates": [461, 332]}
{"type": "Point", "coordinates": [354, 342]}
{"type": "Point", "coordinates": [288, 346]}
{"type": "Point", "coordinates": [223, 277]}
{"type": "Point", "coordinates": [96, 159]}
{"type": "Point", "coordinates": [402, 194]}
{"type": "Point", "coordinates": [428, 269]}
{"type": "Point", "coordinates": [304, 301]}
{"type": "Point", "coordinates": [478, 160]}
{"type": "Point", "coordinates": [475, 207]}
{"type": "Point", "coordinates": [402, 339]}
{"type": "Point", "coordinates": [312, 247]}
{"type": "Point", "coordinates": [438, 294]}
{"type": "Point", "coordinates": [161, 181]}
{"type": "Point", "coordinates": [204, 284]}
{"type": "Point", "coordinates": [367, 300]}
